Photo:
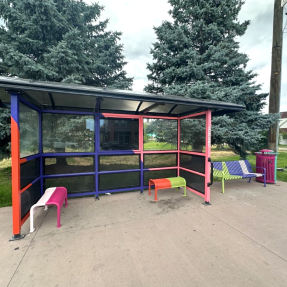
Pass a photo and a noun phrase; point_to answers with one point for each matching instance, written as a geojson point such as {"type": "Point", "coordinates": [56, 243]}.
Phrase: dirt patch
{"type": "Point", "coordinates": [167, 205]}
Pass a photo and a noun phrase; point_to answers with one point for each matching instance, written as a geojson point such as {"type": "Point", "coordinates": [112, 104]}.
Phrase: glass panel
{"type": "Point", "coordinates": [192, 134]}
{"type": "Point", "coordinates": [119, 162]}
{"type": "Point", "coordinates": [194, 181]}
{"type": "Point", "coordinates": [29, 131]}
{"type": "Point", "coordinates": [120, 105]}
{"type": "Point", "coordinates": [119, 134]}
{"type": "Point", "coordinates": [160, 134]}
{"type": "Point", "coordinates": [77, 101]}
{"type": "Point", "coordinates": [68, 133]}
{"type": "Point", "coordinates": [155, 174]}
{"type": "Point", "coordinates": [29, 197]}
{"type": "Point", "coordinates": [29, 171]}
{"type": "Point", "coordinates": [160, 160]}
{"type": "Point", "coordinates": [193, 162]}
{"type": "Point", "coordinates": [74, 184]}
{"type": "Point", "coordinates": [119, 180]}
{"type": "Point", "coordinates": [66, 165]}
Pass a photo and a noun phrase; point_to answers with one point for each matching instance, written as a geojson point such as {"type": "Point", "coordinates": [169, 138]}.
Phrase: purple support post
{"type": "Point", "coordinates": [97, 147]}
{"type": "Point", "coordinates": [41, 153]}
{"type": "Point", "coordinates": [141, 126]}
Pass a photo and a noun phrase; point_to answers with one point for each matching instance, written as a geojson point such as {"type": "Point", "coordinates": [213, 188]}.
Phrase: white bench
{"type": "Point", "coordinates": [52, 195]}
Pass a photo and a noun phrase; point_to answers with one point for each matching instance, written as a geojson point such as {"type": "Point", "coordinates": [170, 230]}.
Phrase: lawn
{"type": "Point", "coordinates": [5, 183]}
{"type": "Point", "coordinates": [216, 155]}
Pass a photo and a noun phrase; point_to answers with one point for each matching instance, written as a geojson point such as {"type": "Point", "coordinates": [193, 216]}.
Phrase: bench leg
{"type": "Point", "coordinates": [32, 229]}
{"type": "Point", "coordinates": [155, 193]}
{"type": "Point", "coordinates": [249, 180]}
{"type": "Point", "coordinates": [264, 177]}
{"type": "Point", "coordinates": [222, 184]}
{"type": "Point", "coordinates": [184, 194]}
{"type": "Point", "coordinates": [58, 215]}
{"type": "Point", "coordinates": [149, 193]}
{"type": "Point", "coordinates": [66, 201]}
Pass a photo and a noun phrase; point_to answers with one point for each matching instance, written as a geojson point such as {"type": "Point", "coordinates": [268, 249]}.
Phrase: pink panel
{"type": "Point", "coordinates": [192, 152]}
{"type": "Point", "coordinates": [108, 115]}
{"type": "Point", "coordinates": [207, 155]}
{"type": "Point", "coordinates": [162, 168]}
{"type": "Point", "coordinates": [178, 146]}
{"type": "Point", "coordinates": [192, 171]}
{"type": "Point", "coordinates": [193, 115]}
{"type": "Point", "coordinates": [159, 117]}
{"type": "Point", "coordinates": [160, 151]}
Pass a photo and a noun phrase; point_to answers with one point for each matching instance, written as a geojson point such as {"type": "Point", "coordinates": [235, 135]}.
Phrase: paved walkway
{"type": "Point", "coordinates": [129, 240]}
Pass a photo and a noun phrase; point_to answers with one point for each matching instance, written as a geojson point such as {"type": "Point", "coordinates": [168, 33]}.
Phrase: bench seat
{"type": "Point", "coordinates": [236, 170]}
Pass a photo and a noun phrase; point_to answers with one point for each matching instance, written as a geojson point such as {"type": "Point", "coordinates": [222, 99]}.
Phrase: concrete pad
{"type": "Point", "coordinates": [128, 239]}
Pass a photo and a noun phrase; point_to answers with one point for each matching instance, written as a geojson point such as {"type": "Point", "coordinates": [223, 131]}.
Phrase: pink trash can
{"type": "Point", "coordinates": [268, 159]}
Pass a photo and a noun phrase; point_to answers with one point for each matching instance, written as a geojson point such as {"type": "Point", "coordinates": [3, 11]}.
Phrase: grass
{"type": "Point", "coordinates": [5, 183]}
{"type": "Point", "coordinates": [216, 155]}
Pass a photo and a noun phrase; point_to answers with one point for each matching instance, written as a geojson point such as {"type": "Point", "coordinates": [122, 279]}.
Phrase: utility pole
{"type": "Point", "coordinates": [275, 82]}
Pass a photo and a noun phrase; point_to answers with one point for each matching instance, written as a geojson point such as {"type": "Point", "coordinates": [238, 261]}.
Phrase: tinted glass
{"type": "Point", "coordinates": [119, 134]}
{"type": "Point", "coordinates": [66, 165]}
{"type": "Point", "coordinates": [29, 131]}
{"type": "Point", "coordinates": [193, 162]}
{"type": "Point", "coordinates": [29, 171]}
{"type": "Point", "coordinates": [74, 184]}
{"type": "Point", "coordinates": [119, 162]}
{"type": "Point", "coordinates": [119, 180]}
{"type": "Point", "coordinates": [155, 174]}
{"type": "Point", "coordinates": [160, 160]}
{"type": "Point", "coordinates": [29, 197]}
{"type": "Point", "coordinates": [67, 133]}
{"type": "Point", "coordinates": [194, 181]}
{"type": "Point", "coordinates": [160, 134]}
{"type": "Point", "coordinates": [192, 134]}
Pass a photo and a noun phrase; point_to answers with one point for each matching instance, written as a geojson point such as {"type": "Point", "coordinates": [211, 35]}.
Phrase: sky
{"type": "Point", "coordinates": [136, 19]}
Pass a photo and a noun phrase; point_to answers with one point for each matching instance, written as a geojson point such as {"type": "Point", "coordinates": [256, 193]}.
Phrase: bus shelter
{"type": "Point", "coordinates": [99, 140]}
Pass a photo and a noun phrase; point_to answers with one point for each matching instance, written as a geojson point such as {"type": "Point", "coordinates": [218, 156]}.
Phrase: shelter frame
{"type": "Point", "coordinates": [39, 180]}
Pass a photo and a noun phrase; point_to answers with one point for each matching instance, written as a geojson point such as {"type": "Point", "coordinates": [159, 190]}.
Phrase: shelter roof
{"type": "Point", "coordinates": [72, 97]}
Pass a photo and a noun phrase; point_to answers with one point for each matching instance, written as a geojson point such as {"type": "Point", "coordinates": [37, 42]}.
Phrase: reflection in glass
{"type": "Point", "coordinates": [29, 131]}
{"type": "Point", "coordinates": [119, 180]}
{"type": "Point", "coordinates": [29, 171]}
{"type": "Point", "coordinates": [119, 162]}
{"type": "Point", "coordinates": [192, 134]}
{"type": "Point", "coordinates": [74, 184]}
{"type": "Point", "coordinates": [160, 134]}
{"type": "Point", "coordinates": [119, 134]}
{"type": "Point", "coordinates": [68, 133]}
{"type": "Point", "coordinates": [160, 160]}
{"type": "Point", "coordinates": [67, 165]}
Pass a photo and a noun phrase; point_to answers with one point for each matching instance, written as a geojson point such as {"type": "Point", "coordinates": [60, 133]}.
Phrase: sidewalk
{"type": "Point", "coordinates": [128, 239]}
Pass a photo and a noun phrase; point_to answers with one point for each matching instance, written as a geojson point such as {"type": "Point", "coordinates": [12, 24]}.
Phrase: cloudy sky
{"type": "Point", "coordinates": [136, 19]}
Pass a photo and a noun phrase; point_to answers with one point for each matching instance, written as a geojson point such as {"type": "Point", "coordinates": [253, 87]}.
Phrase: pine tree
{"type": "Point", "coordinates": [61, 41]}
{"type": "Point", "coordinates": [197, 56]}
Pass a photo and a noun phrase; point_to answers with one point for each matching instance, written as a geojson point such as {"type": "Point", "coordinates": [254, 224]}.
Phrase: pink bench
{"type": "Point", "coordinates": [53, 195]}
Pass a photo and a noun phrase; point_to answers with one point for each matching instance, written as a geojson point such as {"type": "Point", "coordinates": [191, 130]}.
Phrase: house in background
{"type": "Point", "coordinates": [283, 127]}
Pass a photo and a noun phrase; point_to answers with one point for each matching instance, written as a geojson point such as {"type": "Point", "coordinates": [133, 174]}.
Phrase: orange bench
{"type": "Point", "coordinates": [163, 183]}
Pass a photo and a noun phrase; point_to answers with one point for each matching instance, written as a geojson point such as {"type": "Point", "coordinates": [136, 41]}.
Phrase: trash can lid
{"type": "Point", "coordinates": [266, 152]}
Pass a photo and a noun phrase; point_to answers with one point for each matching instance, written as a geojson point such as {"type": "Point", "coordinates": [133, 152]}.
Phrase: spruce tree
{"type": "Point", "coordinates": [197, 56]}
{"type": "Point", "coordinates": [61, 41]}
